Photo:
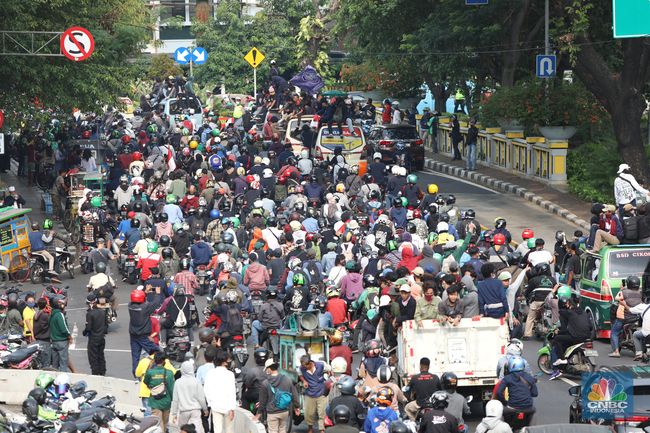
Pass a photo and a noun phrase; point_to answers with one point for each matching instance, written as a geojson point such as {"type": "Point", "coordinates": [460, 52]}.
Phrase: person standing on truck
{"type": "Point", "coordinates": [421, 386]}
{"type": "Point", "coordinates": [492, 301]}
{"type": "Point", "coordinates": [406, 306]}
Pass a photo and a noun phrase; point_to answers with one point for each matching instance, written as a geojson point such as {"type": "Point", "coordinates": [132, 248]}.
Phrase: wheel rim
{"type": "Point", "coordinates": [37, 274]}
{"type": "Point", "coordinates": [544, 364]}
{"type": "Point", "coordinates": [18, 268]}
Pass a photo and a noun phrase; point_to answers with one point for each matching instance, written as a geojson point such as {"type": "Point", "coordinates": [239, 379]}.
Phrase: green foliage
{"type": "Point", "coordinates": [312, 42]}
{"type": "Point", "coordinates": [590, 169]}
{"type": "Point", "coordinates": [163, 66]}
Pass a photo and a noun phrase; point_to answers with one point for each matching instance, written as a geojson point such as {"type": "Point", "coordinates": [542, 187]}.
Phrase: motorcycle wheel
{"type": "Point", "coordinates": [70, 269]}
{"type": "Point", "coordinates": [544, 364]}
{"type": "Point", "coordinates": [132, 278]}
{"type": "Point", "coordinates": [84, 270]}
{"type": "Point", "coordinates": [37, 274]}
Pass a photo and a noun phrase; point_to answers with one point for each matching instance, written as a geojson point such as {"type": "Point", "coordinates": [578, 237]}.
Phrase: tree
{"type": "Point", "coordinates": [163, 66]}
{"type": "Point", "coordinates": [120, 29]}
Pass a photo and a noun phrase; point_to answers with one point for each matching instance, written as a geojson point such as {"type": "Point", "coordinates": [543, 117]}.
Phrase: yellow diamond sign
{"type": "Point", "coordinates": [254, 57]}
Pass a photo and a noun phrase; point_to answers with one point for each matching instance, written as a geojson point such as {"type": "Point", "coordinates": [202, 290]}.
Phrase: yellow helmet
{"type": "Point", "coordinates": [335, 338]}
{"type": "Point", "coordinates": [194, 144]}
{"type": "Point", "coordinates": [432, 188]}
{"type": "Point", "coordinates": [340, 187]}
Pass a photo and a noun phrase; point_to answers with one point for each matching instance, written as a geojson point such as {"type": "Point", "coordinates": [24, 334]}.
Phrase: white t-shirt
{"type": "Point", "coordinates": [541, 256]}
{"type": "Point", "coordinates": [640, 309]}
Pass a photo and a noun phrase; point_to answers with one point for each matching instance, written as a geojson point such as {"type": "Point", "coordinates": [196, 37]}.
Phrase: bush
{"type": "Point", "coordinates": [591, 169]}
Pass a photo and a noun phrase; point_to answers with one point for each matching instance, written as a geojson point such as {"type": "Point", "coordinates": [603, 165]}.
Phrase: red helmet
{"type": "Point", "coordinates": [250, 178]}
{"type": "Point", "coordinates": [309, 237]}
{"type": "Point", "coordinates": [126, 139]}
{"type": "Point", "coordinates": [137, 156]}
{"type": "Point", "coordinates": [138, 296]}
{"type": "Point", "coordinates": [417, 214]}
{"type": "Point", "coordinates": [131, 215]}
{"type": "Point", "coordinates": [499, 239]}
{"type": "Point", "coordinates": [527, 234]}
{"type": "Point", "coordinates": [186, 151]}
{"type": "Point", "coordinates": [85, 134]}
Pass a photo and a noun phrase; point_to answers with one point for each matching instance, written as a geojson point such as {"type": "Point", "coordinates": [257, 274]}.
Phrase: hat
{"type": "Point", "coordinates": [628, 207]}
{"type": "Point", "coordinates": [505, 276]}
{"type": "Point", "coordinates": [353, 225]}
{"type": "Point", "coordinates": [270, 362]}
{"type": "Point", "coordinates": [384, 300]}
{"type": "Point", "coordinates": [418, 271]}
{"type": "Point", "coordinates": [609, 208]}
{"type": "Point", "coordinates": [622, 168]}
{"type": "Point", "coordinates": [405, 288]}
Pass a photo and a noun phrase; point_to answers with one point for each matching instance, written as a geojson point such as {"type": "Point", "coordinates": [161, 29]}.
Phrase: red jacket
{"type": "Point", "coordinates": [344, 352]}
{"type": "Point", "coordinates": [338, 308]}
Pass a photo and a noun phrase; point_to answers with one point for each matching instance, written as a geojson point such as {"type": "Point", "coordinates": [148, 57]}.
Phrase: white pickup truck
{"type": "Point", "coordinates": [471, 350]}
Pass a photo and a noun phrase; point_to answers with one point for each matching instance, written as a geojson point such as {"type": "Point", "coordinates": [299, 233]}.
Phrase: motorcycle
{"type": "Point", "coordinates": [578, 357]}
{"type": "Point", "coordinates": [270, 340]}
{"type": "Point", "coordinates": [129, 269]}
{"type": "Point", "coordinates": [64, 259]}
{"type": "Point", "coordinates": [630, 324]}
{"type": "Point", "coordinates": [237, 349]}
{"type": "Point", "coordinates": [38, 269]}
{"type": "Point", "coordinates": [518, 419]}
{"type": "Point", "coordinates": [203, 278]}
{"type": "Point", "coordinates": [23, 358]}
{"type": "Point", "coordinates": [178, 344]}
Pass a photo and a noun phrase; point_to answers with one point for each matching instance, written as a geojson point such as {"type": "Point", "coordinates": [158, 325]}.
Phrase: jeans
{"type": "Point", "coordinates": [256, 330]}
{"type": "Point", "coordinates": [145, 406]}
{"type": "Point", "coordinates": [639, 341]}
{"type": "Point", "coordinates": [139, 344]}
{"type": "Point", "coordinates": [456, 151]}
{"type": "Point", "coordinates": [617, 327]}
{"type": "Point", "coordinates": [60, 355]}
{"type": "Point", "coordinates": [471, 156]}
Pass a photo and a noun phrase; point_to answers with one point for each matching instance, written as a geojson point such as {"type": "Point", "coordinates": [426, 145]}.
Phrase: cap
{"type": "Point", "coordinates": [505, 276]}
{"type": "Point", "coordinates": [384, 300]}
{"type": "Point", "coordinates": [622, 168]}
{"type": "Point", "coordinates": [405, 288]}
{"type": "Point", "coordinates": [269, 362]}
{"type": "Point", "coordinates": [418, 271]}
{"type": "Point", "coordinates": [628, 207]}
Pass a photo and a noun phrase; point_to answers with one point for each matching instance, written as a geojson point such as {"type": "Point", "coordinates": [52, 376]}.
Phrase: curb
{"type": "Point", "coordinates": [508, 187]}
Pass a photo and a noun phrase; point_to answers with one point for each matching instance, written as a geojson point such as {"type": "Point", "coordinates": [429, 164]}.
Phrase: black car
{"type": "Point", "coordinates": [638, 421]}
{"type": "Point", "coordinates": [398, 144]}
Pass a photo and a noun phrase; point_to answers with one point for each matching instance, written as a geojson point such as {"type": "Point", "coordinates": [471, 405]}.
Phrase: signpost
{"type": "Point", "coordinates": [545, 65]}
{"type": "Point", "coordinates": [254, 57]}
{"type": "Point", "coordinates": [184, 55]}
{"type": "Point", "coordinates": [77, 43]}
{"type": "Point", "coordinates": [631, 18]}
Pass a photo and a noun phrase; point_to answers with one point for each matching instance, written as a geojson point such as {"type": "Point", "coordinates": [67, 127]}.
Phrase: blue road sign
{"type": "Point", "coordinates": [182, 56]}
{"type": "Point", "coordinates": [546, 65]}
{"type": "Point", "coordinates": [475, 2]}
{"type": "Point", "coordinates": [199, 56]}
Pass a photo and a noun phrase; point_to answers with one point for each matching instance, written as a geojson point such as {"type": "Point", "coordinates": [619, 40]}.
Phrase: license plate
{"type": "Point", "coordinates": [591, 353]}
{"type": "Point", "coordinates": [240, 349]}
{"type": "Point", "coordinates": [130, 263]}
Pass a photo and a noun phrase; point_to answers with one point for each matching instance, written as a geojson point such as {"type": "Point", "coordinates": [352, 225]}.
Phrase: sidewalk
{"type": "Point", "coordinates": [551, 199]}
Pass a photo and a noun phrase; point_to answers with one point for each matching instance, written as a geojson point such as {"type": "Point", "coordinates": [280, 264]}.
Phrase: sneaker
{"type": "Point", "coordinates": [560, 362]}
{"type": "Point", "coordinates": [638, 356]}
{"type": "Point", "coordinates": [614, 355]}
{"type": "Point", "coordinates": [555, 375]}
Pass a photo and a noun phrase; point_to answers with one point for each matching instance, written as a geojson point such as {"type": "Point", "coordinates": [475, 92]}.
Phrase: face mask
{"type": "Point", "coordinates": [31, 304]}
{"type": "Point", "coordinates": [3, 315]}
{"type": "Point", "coordinates": [428, 298]}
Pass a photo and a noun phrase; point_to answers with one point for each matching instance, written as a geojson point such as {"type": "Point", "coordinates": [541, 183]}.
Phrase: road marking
{"type": "Point", "coordinates": [568, 381]}
{"type": "Point", "coordinates": [85, 308]}
{"type": "Point", "coordinates": [81, 349]}
{"type": "Point", "coordinates": [467, 182]}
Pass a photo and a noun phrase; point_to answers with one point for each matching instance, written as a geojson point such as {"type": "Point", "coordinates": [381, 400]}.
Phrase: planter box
{"type": "Point", "coordinates": [557, 132]}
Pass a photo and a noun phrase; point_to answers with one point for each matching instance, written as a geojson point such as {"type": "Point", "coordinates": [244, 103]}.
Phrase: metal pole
{"type": "Point", "coordinates": [547, 47]}
{"type": "Point", "coordinates": [255, 83]}
{"type": "Point", "coordinates": [191, 74]}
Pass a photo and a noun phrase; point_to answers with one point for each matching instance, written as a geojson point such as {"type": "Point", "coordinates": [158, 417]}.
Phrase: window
{"type": "Point", "coordinates": [400, 134]}
{"type": "Point", "coordinates": [172, 9]}
{"type": "Point", "coordinates": [591, 267]}
{"type": "Point", "coordinates": [624, 263]}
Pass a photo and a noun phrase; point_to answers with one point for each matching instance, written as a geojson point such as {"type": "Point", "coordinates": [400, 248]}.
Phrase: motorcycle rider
{"type": "Point", "coordinates": [412, 191]}
{"type": "Point", "coordinates": [493, 421]}
{"type": "Point", "coordinates": [380, 417]}
{"type": "Point", "coordinates": [37, 241]}
{"type": "Point", "coordinates": [422, 386]}
{"type": "Point", "coordinates": [436, 418]}
{"type": "Point", "coordinates": [536, 292]}
{"type": "Point", "coordinates": [356, 411]}
{"type": "Point", "coordinates": [342, 417]}
{"type": "Point", "coordinates": [270, 316]}
{"type": "Point", "coordinates": [457, 403]}
{"type": "Point", "coordinates": [253, 378]}
{"type": "Point", "coordinates": [177, 313]}
{"type": "Point", "coordinates": [340, 350]}
{"type": "Point", "coordinates": [95, 330]}
{"type": "Point", "coordinates": [384, 374]}
{"type": "Point", "coordinates": [168, 265]}
{"type": "Point", "coordinates": [102, 281]}
{"type": "Point", "coordinates": [515, 348]}
{"type": "Point", "coordinates": [521, 386]}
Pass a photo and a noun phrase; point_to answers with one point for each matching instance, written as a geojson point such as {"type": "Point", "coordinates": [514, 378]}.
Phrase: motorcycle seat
{"type": "Point", "coordinates": [631, 320]}
{"type": "Point", "coordinates": [21, 354]}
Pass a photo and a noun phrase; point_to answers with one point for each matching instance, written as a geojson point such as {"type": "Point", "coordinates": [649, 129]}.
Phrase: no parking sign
{"type": "Point", "coordinates": [77, 43]}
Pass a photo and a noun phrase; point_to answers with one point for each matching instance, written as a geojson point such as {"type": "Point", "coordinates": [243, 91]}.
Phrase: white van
{"type": "Point", "coordinates": [354, 148]}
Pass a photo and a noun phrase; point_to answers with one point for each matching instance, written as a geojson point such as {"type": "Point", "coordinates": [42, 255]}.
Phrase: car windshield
{"type": "Point", "coordinates": [294, 128]}
{"type": "Point", "coordinates": [400, 134]}
{"type": "Point", "coordinates": [623, 263]}
{"type": "Point", "coordinates": [180, 105]}
{"type": "Point", "coordinates": [641, 397]}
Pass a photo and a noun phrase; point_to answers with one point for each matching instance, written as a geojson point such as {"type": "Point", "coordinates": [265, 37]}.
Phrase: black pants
{"type": "Point", "coordinates": [96, 357]}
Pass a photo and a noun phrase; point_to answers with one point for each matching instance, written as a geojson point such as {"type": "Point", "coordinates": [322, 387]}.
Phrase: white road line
{"type": "Point", "coordinates": [437, 173]}
{"type": "Point", "coordinates": [569, 381]}
{"type": "Point", "coordinates": [81, 349]}
{"type": "Point", "coordinates": [85, 308]}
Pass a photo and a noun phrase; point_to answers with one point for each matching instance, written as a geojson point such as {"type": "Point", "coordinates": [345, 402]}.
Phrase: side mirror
{"type": "Point", "coordinates": [469, 398]}
{"type": "Point", "coordinates": [574, 391]}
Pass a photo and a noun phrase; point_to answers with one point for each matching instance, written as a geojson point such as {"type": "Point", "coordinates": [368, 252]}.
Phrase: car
{"type": "Point", "coordinates": [636, 422]}
{"type": "Point", "coordinates": [292, 132]}
{"type": "Point", "coordinates": [602, 276]}
{"type": "Point", "coordinates": [354, 148]}
{"type": "Point", "coordinates": [175, 109]}
{"type": "Point", "coordinates": [393, 140]}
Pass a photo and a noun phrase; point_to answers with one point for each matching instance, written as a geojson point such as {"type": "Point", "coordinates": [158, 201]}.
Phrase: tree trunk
{"type": "Point", "coordinates": [511, 57]}
{"type": "Point", "coordinates": [626, 119]}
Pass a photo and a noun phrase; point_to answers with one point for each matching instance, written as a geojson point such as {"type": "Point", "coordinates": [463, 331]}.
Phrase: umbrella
{"type": "Point", "coordinates": [331, 93]}
{"type": "Point", "coordinates": [308, 80]}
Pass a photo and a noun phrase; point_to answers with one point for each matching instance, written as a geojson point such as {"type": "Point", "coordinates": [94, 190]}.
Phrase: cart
{"type": "Point", "coordinates": [79, 182]}
{"type": "Point", "coordinates": [14, 243]}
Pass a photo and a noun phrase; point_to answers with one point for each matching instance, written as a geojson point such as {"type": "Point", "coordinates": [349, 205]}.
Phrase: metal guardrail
{"type": "Point", "coordinates": [30, 43]}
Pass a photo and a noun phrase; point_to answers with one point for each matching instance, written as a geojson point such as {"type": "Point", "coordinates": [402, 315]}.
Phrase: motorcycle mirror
{"type": "Point", "coordinates": [574, 391]}
{"type": "Point", "coordinates": [406, 389]}
{"type": "Point", "coordinates": [469, 398]}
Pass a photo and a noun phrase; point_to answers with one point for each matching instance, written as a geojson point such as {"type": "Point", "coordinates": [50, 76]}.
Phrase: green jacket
{"type": "Point", "coordinates": [153, 377]}
{"type": "Point", "coordinates": [427, 310]}
{"type": "Point", "coordinates": [59, 330]}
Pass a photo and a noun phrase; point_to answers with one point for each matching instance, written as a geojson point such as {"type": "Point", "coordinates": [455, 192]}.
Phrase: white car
{"type": "Point", "coordinates": [354, 148]}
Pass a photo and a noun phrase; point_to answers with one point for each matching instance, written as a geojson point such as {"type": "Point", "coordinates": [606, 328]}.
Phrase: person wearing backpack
{"type": "Point", "coordinates": [313, 268]}
{"type": "Point", "coordinates": [177, 312]}
{"type": "Point", "coordinates": [277, 396]}
{"type": "Point", "coordinates": [160, 382]}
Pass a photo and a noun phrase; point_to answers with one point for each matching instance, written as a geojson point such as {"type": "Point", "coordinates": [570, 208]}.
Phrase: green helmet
{"type": "Point", "coordinates": [531, 243]}
{"type": "Point", "coordinates": [215, 132]}
{"type": "Point", "coordinates": [298, 280]}
{"type": "Point", "coordinates": [43, 380]}
{"type": "Point", "coordinates": [391, 245]}
{"type": "Point", "coordinates": [412, 178]}
{"type": "Point", "coordinates": [47, 224]}
{"type": "Point", "coordinates": [433, 236]}
{"type": "Point", "coordinates": [349, 265]}
{"type": "Point", "coordinates": [177, 226]}
{"type": "Point", "coordinates": [96, 202]}
{"type": "Point", "coordinates": [116, 134]}
{"type": "Point", "coordinates": [152, 247]}
{"type": "Point", "coordinates": [564, 292]}
{"type": "Point", "coordinates": [171, 198]}
{"type": "Point", "coordinates": [235, 222]}
{"type": "Point", "coordinates": [405, 201]}
{"type": "Point", "coordinates": [151, 129]}
{"type": "Point", "coordinates": [185, 131]}
{"type": "Point", "coordinates": [437, 257]}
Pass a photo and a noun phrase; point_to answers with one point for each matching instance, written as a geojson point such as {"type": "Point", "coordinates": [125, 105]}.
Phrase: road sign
{"type": "Point", "coordinates": [182, 56]}
{"type": "Point", "coordinates": [77, 43]}
{"type": "Point", "coordinates": [254, 57]}
{"type": "Point", "coordinates": [475, 2]}
{"type": "Point", "coordinates": [628, 18]}
{"type": "Point", "coordinates": [199, 55]}
{"type": "Point", "coordinates": [546, 66]}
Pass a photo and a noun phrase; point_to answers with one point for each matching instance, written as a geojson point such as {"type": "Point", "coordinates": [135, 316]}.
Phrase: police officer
{"type": "Point", "coordinates": [95, 330]}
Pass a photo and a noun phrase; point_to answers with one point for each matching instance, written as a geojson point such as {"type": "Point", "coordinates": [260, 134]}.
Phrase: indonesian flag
{"type": "Point", "coordinates": [171, 162]}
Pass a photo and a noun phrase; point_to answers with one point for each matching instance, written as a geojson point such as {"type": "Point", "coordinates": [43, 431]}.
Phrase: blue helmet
{"type": "Point", "coordinates": [215, 162]}
{"type": "Point", "coordinates": [516, 363]}
{"type": "Point", "coordinates": [214, 214]}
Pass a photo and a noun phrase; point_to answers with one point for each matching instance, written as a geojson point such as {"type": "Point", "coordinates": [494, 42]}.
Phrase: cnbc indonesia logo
{"type": "Point", "coordinates": [607, 397]}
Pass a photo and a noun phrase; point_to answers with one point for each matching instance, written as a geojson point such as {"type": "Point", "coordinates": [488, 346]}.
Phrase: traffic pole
{"type": "Point", "coordinates": [255, 83]}
{"type": "Point", "coordinates": [547, 47]}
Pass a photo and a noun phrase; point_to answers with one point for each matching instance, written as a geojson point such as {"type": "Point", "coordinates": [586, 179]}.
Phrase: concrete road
{"type": "Point", "coordinates": [553, 401]}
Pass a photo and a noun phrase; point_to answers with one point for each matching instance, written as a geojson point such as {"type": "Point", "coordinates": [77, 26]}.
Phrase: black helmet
{"type": "Point", "coordinates": [439, 400]}
{"type": "Point", "coordinates": [398, 427]}
{"type": "Point", "coordinates": [499, 223]}
{"type": "Point", "coordinates": [470, 214]}
{"type": "Point", "coordinates": [313, 179]}
{"type": "Point", "coordinates": [185, 263]}
{"type": "Point", "coordinates": [374, 194]}
{"type": "Point", "coordinates": [444, 217]}
{"type": "Point", "coordinates": [67, 427]}
{"type": "Point", "coordinates": [30, 408]}
{"type": "Point", "coordinates": [137, 206]}
{"type": "Point", "coordinates": [633, 282]}
{"type": "Point", "coordinates": [100, 267]}
{"type": "Point", "coordinates": [38, 394]}
{"type": "Point", "coordinates": [449, 381]}
{"type": "Point", "coordinates": [271, 292]}
{"type": "Point", "coordinates": [206, 335]}
{"type": "Point", "coordinates": [346, 385]}
{"type": "Point", "coordinates": [167, 253]}
{"type": "Point", "coordinates": [271, 221]}
{"type": "Point", "coordinates": [35, 227]}
{"type": "Point", "coordinates": [411, 228]}
{"type": "Point", "coordinates": [261, 355]}
{"type": "Point", "coordinates": [227, 238]}
{"type": "Point", "coordinates": [164, 217]}
{"type": "Point", "coordinates": [542, 269]}
{"type": "Point", "coordinates": [369, 280]}
{"type": "Point", "coordinates": [341, 414]}
{"type": "Point", "coordinates": [291, 160]}
{"type": "Point", "coordinates": [451, 199]}
{"type": "Point", "coordinates": [440, 200]}
{"type": "Point", "coordinates": [135, 223]}
{"type": "Point", "coordinates": [397, 202]}
{"type": "Point", "coordinates": [165, 241]}
{"type": "Point", "coordinates": [384, 374]}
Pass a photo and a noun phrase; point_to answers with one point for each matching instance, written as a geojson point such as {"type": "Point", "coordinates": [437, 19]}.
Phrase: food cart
{"type": "Point", "coordinates": [302, 336]}
{"type": "Point", "coordinates": [79, 182]}
{"type": "Point", "coordinates": [14, 243]}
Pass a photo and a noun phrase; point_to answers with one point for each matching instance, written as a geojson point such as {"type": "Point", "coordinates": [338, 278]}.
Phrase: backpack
{"type": "Point", "coordinates": [281, 399]}
{"type": "Point", "coordinates": [234, 321]}
{"type": "Point", "coordinates": [346, 250]}
{"type": "Point", "coordinates": [630, 229]}
{"type": "Point", "coordinates": [313, 272]}
{"type": "Point", "coordinates": [181, 320]}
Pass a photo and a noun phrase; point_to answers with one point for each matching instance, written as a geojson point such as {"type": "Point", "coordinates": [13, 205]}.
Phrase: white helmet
{"type": "Point", "coordinates": [339, 365]}
{"type": "Point", "coordinates": [384, 301]}
{"type": "Point", "coordinates": [267, 173]}
{"type": "Point", "coordinates": [494, 408]}
{"type": "Point", "coordinates": [402, 171]}
{"type": "Point", "coordinates": [231, 296]}
{"type": "Point", "coordinates": [395, 170]}
{"type": "Point", "coordinates": [442, 227]}
{"type": "Point", "coordinates": [376, 155]}
{"type": "Point", "coordinates": [258, 204]}
{"type": "Point", "coordinates": [304, 153]}
{"type": "Point", "coordinates": [266, 161]}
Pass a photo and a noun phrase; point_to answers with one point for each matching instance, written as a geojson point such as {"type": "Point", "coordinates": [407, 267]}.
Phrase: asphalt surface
{"type": "Point", "coordinates": [553, 401]}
